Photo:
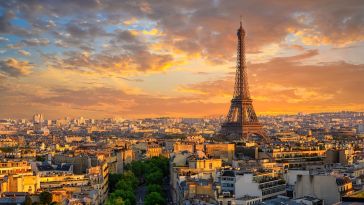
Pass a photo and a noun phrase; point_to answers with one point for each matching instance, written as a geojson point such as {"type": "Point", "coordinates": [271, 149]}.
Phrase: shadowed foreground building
{"type": "Point", "coordinates": [326, 187]}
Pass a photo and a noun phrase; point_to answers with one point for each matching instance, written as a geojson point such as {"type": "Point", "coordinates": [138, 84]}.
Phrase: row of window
{"type": "Point", "coordinates": [14, 171]}
{"type": "Point", "coordinates": [227, 185]}
{"type": "Point", "coordinates": [275, 190]}
{"type": "Point", "coordinates": [17, 164]}
{"type": "Point", "coordinates": [227, 178]}
{"type": "Point", "coordinates": [253, 202]}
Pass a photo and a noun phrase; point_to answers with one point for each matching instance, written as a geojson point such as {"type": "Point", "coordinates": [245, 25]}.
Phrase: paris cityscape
{"type": "Point", "coordinates": [254, 102]}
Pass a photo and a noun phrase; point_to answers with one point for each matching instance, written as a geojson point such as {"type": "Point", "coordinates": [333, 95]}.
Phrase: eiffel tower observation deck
{"type": "Point", "coordinates": [241, 121]}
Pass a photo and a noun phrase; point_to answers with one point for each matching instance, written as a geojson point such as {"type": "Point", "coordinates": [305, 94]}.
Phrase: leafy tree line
{"type": "Point", "coordinates": [150, 172]}
{"type": "Point", "coordinates": [121, 188]}
{"type": "Point", "coordinates": [45, 198]}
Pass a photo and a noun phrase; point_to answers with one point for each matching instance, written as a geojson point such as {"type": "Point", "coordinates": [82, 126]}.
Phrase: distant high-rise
{"type": "Point", "coordinates": [38, 118]}
{"type": "Point", "coordinates": [38, 122]}
{"type": "Point", "coordinates": [241, 120]}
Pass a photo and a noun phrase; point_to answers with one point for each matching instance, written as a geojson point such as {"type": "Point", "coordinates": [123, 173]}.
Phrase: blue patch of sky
{"type": "Point", "coordinates": [51, 47]}
{"type": "Point", "coordinates": [144, 24]}
{"type": "Point", "coordinates": [4, 40]}
{"type": "Point", "coordinates": [19, 22]}
{"type": "Point", "coordinates": [99, 42]}
{"type": "Point", "coordinates": [139, 25]}
{"type": "Point", "coordinates": [12, 53]}
{"type": "Point", "coordinates": [101, 17]}
{"type": "Point", "coordinates": [63, 20]}
{"type": "Point", "coordinates": [112, 28]}
{"type": "Point", "coordinates": [11, 39]}
{"type": "Point", "coordinates": [2, 11]}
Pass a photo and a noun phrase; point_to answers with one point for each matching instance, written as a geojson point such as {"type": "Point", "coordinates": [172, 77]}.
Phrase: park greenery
{"type": "Point", "coordinates": [150, 173]}
{"type": "Point", "coordinates": [45, 198]}
{"type": "Point", "coordinates": [7, 149]}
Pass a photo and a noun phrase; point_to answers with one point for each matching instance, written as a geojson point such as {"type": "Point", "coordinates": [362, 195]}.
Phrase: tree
{"type": "Point", "coordinates": [7, 149]}
{"type": "Point", "coordinates": [28, 200]}
{"type": "Point", "coordinates": [155, 177]}
{"type": "Point", "coordinates": [115, 201]}
{"type": "Point", "coordinates": [127, 182]}
{"type": "Point", "coordinates": [119, 201]}
{"type": "Point", "coordinates": [113, 180]}
{"type": "Point", "coordinates": [160, 163]}
{"type": "Point", "coordinates": [40, 158]}
{"type": "Point", "coordinates": [130, 178]}
{"type": "Point", "coordinates": [154, 198]}
{"type": "Point", "coordinates": [122, 186]}
{"type": "Point", "coordinates": [45, 197]}
{"type": "Point", "coordinates": [138, 167]}
{"type": "Point", "coordinates": [154, 188]}
{"type": "Point", "coordinates": [127, 195]}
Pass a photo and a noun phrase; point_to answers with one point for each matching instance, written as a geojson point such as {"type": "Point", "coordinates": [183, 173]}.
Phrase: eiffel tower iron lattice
{"type": "Point", "coordinates": [241, 120]}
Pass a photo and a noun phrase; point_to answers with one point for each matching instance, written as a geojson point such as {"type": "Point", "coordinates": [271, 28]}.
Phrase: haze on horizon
{"type": "Point", "coordinates": [108, 58]}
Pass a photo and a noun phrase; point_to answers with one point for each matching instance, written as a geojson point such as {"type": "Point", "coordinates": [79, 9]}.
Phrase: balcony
{"type": "Point", "coordinates": [274, 190]}
{"type": "Point", "coordinates": [272, 184]}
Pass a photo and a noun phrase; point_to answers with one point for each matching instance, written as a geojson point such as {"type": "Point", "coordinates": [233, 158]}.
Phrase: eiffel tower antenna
{"type": "Point", "coordinates": [241, 121]}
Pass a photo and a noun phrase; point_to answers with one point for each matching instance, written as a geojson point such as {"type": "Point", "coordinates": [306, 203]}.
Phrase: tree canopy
{"type": "Point", "coordinates": [154, 198]}
{"type": "Point", "coordinates": [151, 172]}
{"type": "Point", "coordinates": [45, 197]}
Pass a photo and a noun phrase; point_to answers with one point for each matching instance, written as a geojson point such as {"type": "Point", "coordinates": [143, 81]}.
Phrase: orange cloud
{"type": "Point", "coordinates": [314, 37]}
{"type": "Point", "coordinates": [104, 46]}
{"type": "Point", "coordinates": [130, 21]}
{"type": "Point", "coordinates": [24, 53]}
{"type": "Point", "coordinates": [286, 85]}
{"type": "Point", "coordinates": [15, 68]}
{"type": "Point", "coordinates": [152, 32]}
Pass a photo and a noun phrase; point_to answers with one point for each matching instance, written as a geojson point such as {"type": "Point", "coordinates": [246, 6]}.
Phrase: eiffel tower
{"type": "Point", "coordinates": [241, 120]}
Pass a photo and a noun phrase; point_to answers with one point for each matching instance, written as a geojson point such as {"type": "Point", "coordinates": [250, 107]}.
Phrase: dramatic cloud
{"type": "Point", "coordinates": [103, 63]}
{"type": "Point", "coordinates": [135, 58]}
{"type": "Point", "coordinates": [7, 28]}
{"type": "Point", "coordinates": [204, 26]}
{"type": "Point", "coordinates": [24, 53]}
{"type": "Point", "coordinates": [286, 84]}
{"type": "Point", "coordinates": [129, 54]}
{"type": "Point", "coordinates": [13, 67]}
{"type": "Point", "coordinates": [98, 102]}
{"type": "Point", "coordinates": [36, 42]}
{"type": "Point", "coordinates": [2, 39]}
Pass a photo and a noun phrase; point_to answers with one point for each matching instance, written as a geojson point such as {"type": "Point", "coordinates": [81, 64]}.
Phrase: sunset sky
{"type": "Point", "coordinates": [133, 59]}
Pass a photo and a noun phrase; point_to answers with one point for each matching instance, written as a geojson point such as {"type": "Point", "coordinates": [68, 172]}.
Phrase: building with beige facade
{"type": "Point", "coordinates": [17, 176]}
{"type": "Point", "coordinates": [153, 150]}
{"type": "Point", "coordinates": [223, 151]}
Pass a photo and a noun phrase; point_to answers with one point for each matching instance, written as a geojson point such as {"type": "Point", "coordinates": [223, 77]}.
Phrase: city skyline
{"type": "Point", "coordinates": [144, 59]}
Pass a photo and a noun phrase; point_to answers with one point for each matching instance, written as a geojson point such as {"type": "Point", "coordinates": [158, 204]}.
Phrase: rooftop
{"type": "Point", "coordinates": [48, 167]}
